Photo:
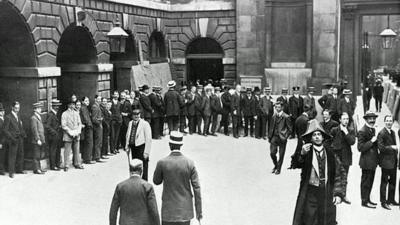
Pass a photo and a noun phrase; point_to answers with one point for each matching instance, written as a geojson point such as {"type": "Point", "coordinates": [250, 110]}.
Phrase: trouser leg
{"type": "Point", "coordinates": [20, 155]}
{"type": "Point", "coordinates": [384, 183]}
{"type": "Point", "coordinates": [88, 144]}
{"type": "Point", "coordinates": [67, 153]}
{"type": "Point", "coordinates": [97, 139]}
{"type": "Point", "coordinates": [251, 119]}
{"type": "Point", "coordinates": [345, 175]}
{"type": "Point", "coordinates": [392, 184]}
{"type": "Point", "coordinates": [36, 157]}
{"type": "Point", "coordinates": [273, 151]}
{"type": "Point", "coordinates": [282, 150]}
{"type": "Point", "coordinates": [75, 149]}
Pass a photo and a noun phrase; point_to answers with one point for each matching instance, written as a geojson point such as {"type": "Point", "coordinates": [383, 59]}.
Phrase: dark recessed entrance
{"type": "Point", "coordinates": [204, 60]}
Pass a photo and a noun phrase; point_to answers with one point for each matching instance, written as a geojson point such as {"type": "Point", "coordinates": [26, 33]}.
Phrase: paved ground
{"type": "Point", "coordinates": [237, 188]}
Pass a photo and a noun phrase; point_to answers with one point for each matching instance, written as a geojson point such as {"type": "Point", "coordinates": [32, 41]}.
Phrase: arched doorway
{"type": "Point", "coordinates": [157, 49]}
{"type": "Point", "coordinates": [204, 60]}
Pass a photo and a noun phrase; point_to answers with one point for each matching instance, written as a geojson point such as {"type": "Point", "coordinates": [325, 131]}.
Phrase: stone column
{"type": "Point", "coordinates": [325, 41]}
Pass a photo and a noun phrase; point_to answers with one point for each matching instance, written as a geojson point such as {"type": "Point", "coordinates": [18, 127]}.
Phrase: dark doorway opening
{"type": "Point", "coordinates": [157, 48]}
{"type": "Point", "coordinates": [204, 60]}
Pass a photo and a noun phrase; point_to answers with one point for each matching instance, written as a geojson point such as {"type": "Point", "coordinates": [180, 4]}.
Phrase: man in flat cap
{"type": "Point", "coordinates": [139, 140]}
{"type": "Point", "coordinates": [15, 134]}
{"type": "Point", "coordinates": [179, 177]}
{"type": "Point", "coordinates": [388, 161]}
{"type": "Point", "coordinates": [173, 103]}
{"type": "Point", "coordinates": [236, 111]}
{"type": "Point", "coordinates": [296, 104]}
{"type": "Point", "coordinates": [38, 139]}
{"type": "Point", "coordinates": [147, 109]}
{"type": "Point", "coordinates": [135, 199]}
{"type": "Point", "coordinates": [279, 131]}
{"type": "Point", "coordinates": [226, 109]}
{"type": "Point", "coordinates": [54, 134]}
{"type": "Point", "coordinates": [267, 109]}
{"type": "Point", "coordinates": [157, 121]}
{"type": "Point", "coordinates": [321, 186]}
{"type": "Point", "coordinates": [368, 147]}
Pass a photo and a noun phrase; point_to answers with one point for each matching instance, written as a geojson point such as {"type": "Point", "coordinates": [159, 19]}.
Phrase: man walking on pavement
{"type": "Point", "coordinates": [368, 147]}
{"type": "Point", "coordinates": [279, 132]}
{"type": "Point", "coordinates": [135, 200]}
{"type": "Point", "coordinates": [388, 162]}
{"type": "Point", "coordinates": [343, 137]}
{"type": "Point", "coordinates": [138, 140]}
{"type": "Point", "coordinates": [179, 177]}
{"type": "Point", "coordinates": [38, 139]}
{"type": "Point", "coordinates": [173, 103]}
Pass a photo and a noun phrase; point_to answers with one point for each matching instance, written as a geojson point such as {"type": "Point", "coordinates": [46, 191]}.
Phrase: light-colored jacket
{"type": "Point", "coordinates": [143, 135]}
{"type": "Point", "coordinates": [71, 125]}
{"type": "Point", "coordinates": [37, 129]}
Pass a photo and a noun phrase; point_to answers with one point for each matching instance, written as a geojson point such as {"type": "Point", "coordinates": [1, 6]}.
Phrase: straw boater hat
{"type": "Point", "coordinates": [347, 92]}
{"type": "Point", "coordinates": [171, 84]}
{"type": "Point", "coordinates": [369, 114]}
{"type": "Point", "coordinates": [37, 105]}
{"type": "Point", "coordinates": [55, 102]}
{"type": "Point", "coordinates": [284, 90]}
{"type": "Point", "coordinates": [183, 88]}
{"type": "Point", "coordinates": [267, 89]}
{"type": "Point", "coordinates": [313, 125]}
{"type": "Point", "coordinates": [135, 164]}
{"type": "Point", "coordinates": [310, 89]}
{"type": "Point", "coordinates": [176, 138]}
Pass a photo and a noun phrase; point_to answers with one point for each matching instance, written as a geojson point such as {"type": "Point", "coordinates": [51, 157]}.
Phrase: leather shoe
{"type": "Point", "coordinates": [273, 170]}
{"type": "Point", "coordinates": [100, 161]}
{"type": "Point", "coordinates": [38, 172]}
{"type": "Point", "coordinates": [103, 157]}
{"type": "Point", "coordinates": [346, 200]}
{"type": "Point", "coordinates": [89, 162]}
{"type": "Point", "coordinates": [2, 173]}
{"type": "Point", "coordinates": [21, 172]}
{"type": "Point", "coordinates": [79, 167]}
{"type": "Point", "coordinates": [368, 205]}
{"type": "Point", "coordinates": [386, 206]}
{"type": "Point", "coordinates": [65, 169]}
{"type": "Point", "coordinates": [278, 171]}
{"type": "Point", "coordinates": [55, 168]}
{"type": "Point", "coordinates": [393, 203]}
{"type": "Point", "coordinates": [11, 175]}
{"type": "Point", "coordinates": [372, 203]}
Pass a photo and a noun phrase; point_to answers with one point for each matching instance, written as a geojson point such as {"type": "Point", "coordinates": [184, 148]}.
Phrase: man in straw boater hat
{"type": "Point", "coordinates": [179, 176]}
{"type": "Point", "coordinates": [135, 199]}
{"type": "Point", "coordinates": [321, 186]}
{"type": "Point", "coordinates": [368, 146]}
{"type": "Point", "coordinates": [138, 140]}
{"type": "Point", "coordinates": [279, 131]}
{"type": "Point", "coordinates": [54, 134]}
{"type": "Point", "coordinates": [173, 103]}
{"type": "Point", "coordinates": [38, 139]}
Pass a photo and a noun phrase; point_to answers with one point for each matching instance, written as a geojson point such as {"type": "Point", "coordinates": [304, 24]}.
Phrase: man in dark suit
{"type": "Point", "coordinates": [38, 139]}
{"type": "Point", "coordinates": [147, 109]}
{"type": "Point", "coordinates": [198, 102]}
{"type": "Point", "coordinates": [284, 99]}
{"type": "Point", "coordinates": [226, 108]}
{"type": "Point", "coordinates": [216, 110]}
{"type": "Point", "coordinates": [346, 104]}
{"type": "Point", "coordinates": [206, 110]}
{"type": "Point", "coordinates": [116, 122]}
{"type": "Point", "coordinates": [295, 106]}
{"type": "Point", "coordinates": [179, 177]}
{"type": "Point", "coordinates": [279, 131]}
{"type": "Point", "coordinates": [135, 199]}
{"type": "Point", "coordinates": [378, 94]}
{"type": "Point", "coordinates": [258, 123]}
{"type": "Point", "coordinates": [248, 106]}
{"type": "Point", "coordinates": [2, 141]}
{"type": "Point", "coordinates": [105, 110]}
{"type": "Point", "coordinates": [97, 121]}
{"type": "Point", "coordinates": [126, 111]}
{"type": "Point", "coordinates": [191, 109]}
{"type": "Point", "coordinates": [328, 124]}
{"type": "Point", "coordinates": [54, 134]}
{"type": "Point", "coordinates": [236, 111]}
{"type": "Point", "coordinates": [300, 127]}
{"type": "Point", "coordinates": [332, 104]}
{"type": "Point", "coordinates": [267, 109]}
{"type": "Point", "coordinates": [183, 112]}
{"type": "Point", "coordinates": [368, 147]}
{"type": "Point", "coordinates": [173, 103]}
{"type": "Point", "coordinates": [324, 99]}
{"type": "Point", "coordinates": [157, 116]}
{"type": "Point", "coordinates": [310, 100]}
{"type": "Point", "coordinates": [15, 134]}
{"type": "Point", "coordinates": [388, 162]}
{"type": "Point", "coordinates": [87, 136]}
{"type": "Point", "coordinates": [343, 137]}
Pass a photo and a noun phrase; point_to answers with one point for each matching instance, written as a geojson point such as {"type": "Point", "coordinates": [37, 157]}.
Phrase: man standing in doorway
{"type": "Point", "coordinates": [279, 132]}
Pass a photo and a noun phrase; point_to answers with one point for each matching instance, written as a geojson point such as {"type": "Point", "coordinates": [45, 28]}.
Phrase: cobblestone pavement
{"type": "Point", "coordinates": [237, 187]}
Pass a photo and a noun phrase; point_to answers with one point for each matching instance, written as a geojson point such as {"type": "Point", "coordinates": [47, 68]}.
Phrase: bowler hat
{"type": "Point", "coordinates": [1, 107]}
{"type": "Point", "coordinates": [370, 114]}
{"type": "Point", "coordinates": [296, 88]}
{"type": "Point", "coordinates": [145, 87]}
{"type": "Point", "coordinates": [176, 137]}
{"type": "Point", "coordinates": [256, 89]}
{"type": "Point", "coordinates": [183, 88]}
{"type": "Point", "coordinates": [248, 89]}
{"type": "Point", "coordinates": [37, 105]}
{"type": "Point", "coordinates": [267, 89]}
{"type": "Point", "coordinates": [199, 86]}
{"type": "Point", "coordinates": [156, 88]}
{"type": "Point", "coordinates": [327, 85]}
{"type": "Point", "coordinates": [313, 125]}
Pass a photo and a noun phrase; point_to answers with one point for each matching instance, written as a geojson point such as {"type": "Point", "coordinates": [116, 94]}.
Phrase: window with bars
{"type": "Point", "coordinates": [104, 80]}
{"type": "Point", "coordinates": [47, 91]}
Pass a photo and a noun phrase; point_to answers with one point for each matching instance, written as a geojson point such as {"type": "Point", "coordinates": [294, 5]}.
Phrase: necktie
{"type": "Point", "coordinates": [321, 167]}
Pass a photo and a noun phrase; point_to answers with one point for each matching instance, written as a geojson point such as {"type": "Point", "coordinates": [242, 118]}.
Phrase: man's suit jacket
{"type": "Point", "coordinates": [235, 104]}
{"type": "Point", "coordinates": [97, 115]}
{"type": "Point", "coordinates": [267, 106]}
{"type": "Point", "coordinates": [206, 105]}
{"type": "Point", "coordinates": [13, 129]}
{"type": "Point", "coordinates": [307, 100]}
{"type": "Point", "coordinates": [71, 125]}
{"type": "Point", "coordinates": [388, 155]}
{"type": "Point", "coordinates": [190, 104]}
{"type": "Point", "coordinates": [216, 104]}
{"type": "Point", "coordinates": [179, 176]}
{"type": "Point", "coordinates": [37, 129]}
{"type": "Point", "coordinates": [226, 102]}
{"type": "Point", "coordinates": [53, 127]}
{"type": "Point", "coordinates": [146, 104]}
{"type": "Point", "coordinates": [284, 124]}
{"type": "Point", "coordinates": [348, 107]}
{"type": "Point", "coordinates": [126, 107]}
{"type": "Point", "coordinates": [85, 117]}
{"type": "Point", "coordinates": [143, 135]}
{"type": "Point", "coordinates": [329, 125]}
{"type": "Point", "coordinates": [332, 104]}
{"type": "Point", "coordinates": [116, 111]}
{"type": "Point", "coordinates": [157, 104]}
{"type": "Point", "coordinates": [136, 201]}
{"type": "Point", "coordinates": [341, 144]}
{"type": "Point", "coordinates": [295, 106]}
{"type": "Point", "coordinates": [323, 100]}
{"type": "Point", "coordinates": [198, 104]}
{"type": "Point", "coordinates": [248, 106]}
{"type": "Point", "coordinates": [369, 150]}
{"type": "Point", "coordinates": [285, 103]}
{"type": "Point", "coordinates": [173, 103]}
{"type": "Point", "coordinates": [301, 124]}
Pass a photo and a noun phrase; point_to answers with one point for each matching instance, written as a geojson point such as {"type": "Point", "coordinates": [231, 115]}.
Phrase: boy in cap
{"type": "Point", "coordinates": [177, 197]}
